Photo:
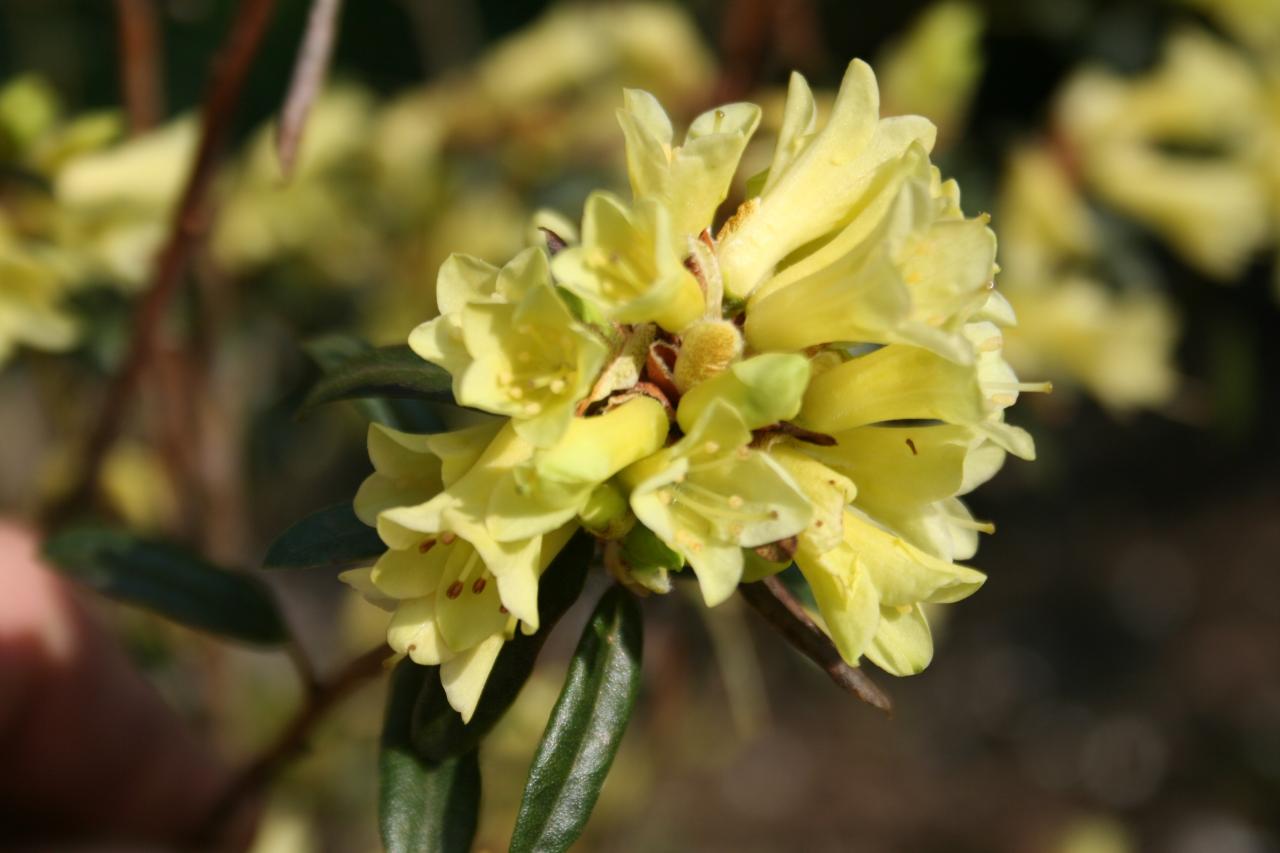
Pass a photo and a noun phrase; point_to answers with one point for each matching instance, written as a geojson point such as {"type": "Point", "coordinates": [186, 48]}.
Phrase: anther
{"type": "Point", "coordinates": [448, 538]}
{"type": "Point", "coordinates": [912, 445]}
{"type": "Point", "coordinates": [478, 586]}
{"type": "Point", "coordinates": [426, 545]}
{"type": "Point", "coordinates": [735, 501]}
{"type": "Point", "coordinates": [454, 590]}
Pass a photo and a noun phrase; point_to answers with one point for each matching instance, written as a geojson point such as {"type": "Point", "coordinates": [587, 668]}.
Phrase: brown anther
{"type": "Point", "coordinates": [502, 608]}
{"type": "Point", "coordinates": [448, 538]}
{"type": "Point", "coordinates": [478, 586]}
{"type": "Point", "coordinates": [454, 590]}
{"type": "Point", "coordinates": [426, 545]}
{"type": "Point", "coordinates": [781, 551]}
{"type": "Point", "coordinates": [912, 445]}
{"type": "Point", "coordinates": [555, 243]}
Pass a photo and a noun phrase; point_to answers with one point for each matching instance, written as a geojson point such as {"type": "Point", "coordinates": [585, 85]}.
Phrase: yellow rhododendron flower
{"type": "Point", "coordinates": [1211, 205]}
{"type": "Point", "coordinates": [1071, 326]}
{"type": "Point", "coordinates": [934, 68]}
{"type": "Point", "coordinates": [31, 292]}
{"type": "Point", "coordinates": [818, 380]}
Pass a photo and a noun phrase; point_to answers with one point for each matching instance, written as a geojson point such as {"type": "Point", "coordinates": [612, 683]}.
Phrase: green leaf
{"type": "Point", "coordinates": [333, 352]}
{"type": "Point", "coordinates": [333, 537]}
{"type": "Point", "coordinates": [423, 806]}
{"type": "Point", "coordinates": [170, 581]}
{"type": "Point", "coordinates": [395, 372]}
{"type": "Point", "coordinates": [439, 732]}
{"type": "Point", "coordinates": [585, 729]}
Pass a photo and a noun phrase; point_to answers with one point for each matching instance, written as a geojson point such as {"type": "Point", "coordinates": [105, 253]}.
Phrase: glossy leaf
{"type": "Point", "coordinates": [333, 537]}
{"type": "Point", "coordinates": [585, 729]}
{"type": "Point", "coordinates": [387, 372]}
{"type": "Point", "coordinates": [423, 806]}
{"type": "Point", "coordinates": [170, 581]}
{"type": "Point", "coordinates": [438, 730]}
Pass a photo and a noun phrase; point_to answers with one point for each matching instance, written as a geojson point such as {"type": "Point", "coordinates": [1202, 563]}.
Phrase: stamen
{"type": "Point", "coordinates": [557, 386]}
{"type": "Point", "coordinates": [478, 586]}
{"type": "Point", "coordinates": [912, 445]}
{"type": "Point", "coordinates": [986, 527]}
{"type": "Point", "coordinates": [448, 538]}
{"type": "Point", "coordinates": [735, 501]}
{"type": "Point", "coordinates": [711, 447]}
{"type": "Point", "coordinates": [472, 560]}
{"type": "Point", "coordinates": [454, 590]}
{"type": "Point", "coordinates": [426, 545]}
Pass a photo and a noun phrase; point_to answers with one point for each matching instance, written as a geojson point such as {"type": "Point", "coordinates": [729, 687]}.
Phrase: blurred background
{"type": "Point", "coordinates": [1114, 687]}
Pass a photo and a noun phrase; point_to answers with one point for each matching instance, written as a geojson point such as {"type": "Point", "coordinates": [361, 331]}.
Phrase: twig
{"type": "Point", "coordinates": [190, 221]}
{"type": "Point", "coordinates": [140, 78]}
{"type": "Point", "coordinates": [780, 609]}
{"type": "Point", "coordinates": [308, 76]}
{"type": "Point", "coordinates": [259, 772]}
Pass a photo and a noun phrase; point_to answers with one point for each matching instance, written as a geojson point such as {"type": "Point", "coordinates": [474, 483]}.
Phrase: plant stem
{"type": "Point", "coordinates": [140, 50]}
{"type": "Point", "coordinates": [259, 772]}
{"type": "Point", "coordinates": [780, 609]}
{"type": "Point", "coordinates": [190, 222]}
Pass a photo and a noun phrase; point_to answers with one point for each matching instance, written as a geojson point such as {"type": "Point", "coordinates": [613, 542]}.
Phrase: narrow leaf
{"type": "Point", "coordinates": [423, 806]}
{"type": "Point", "coordinates": [170, 581]}
{"type": "Point", "coordinates": [439, 732]}
{"type": "Point", "coordinates": [335, 354]}
{"type": "Point", "coordinates": [384, 372]}
{"type": "Point", "coordinates": [585, 729]}
{"type": "Point", "coordinates": [333, 538]}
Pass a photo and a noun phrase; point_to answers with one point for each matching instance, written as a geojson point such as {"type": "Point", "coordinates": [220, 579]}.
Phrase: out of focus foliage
{"type": "Point", "coordinates": [1117, 695]}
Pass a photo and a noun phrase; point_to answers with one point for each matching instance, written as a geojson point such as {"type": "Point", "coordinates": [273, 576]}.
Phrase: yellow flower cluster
{"type": "Point", "coordinates": [1074, 324]}
{"type": "Point", "coordinates": [817, 380]}
{"type": "Point", "coordinates": [1188, 148]}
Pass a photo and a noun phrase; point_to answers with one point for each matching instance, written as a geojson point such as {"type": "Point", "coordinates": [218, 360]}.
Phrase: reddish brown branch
{"type": "Point", "coordinates": [780, 609]}
{"type": "Point", "coordinates": [140, 49]}
{"type": "Point", "coordinates": [259, 772]}
{"type": "Point", "coordinates": [190, 222]}
{"type": "Point", "coordinates": [308, 76]}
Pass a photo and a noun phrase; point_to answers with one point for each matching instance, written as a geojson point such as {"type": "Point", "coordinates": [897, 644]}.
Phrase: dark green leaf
{"type": "Point", "coordinates": [395, 372]}
{"type": "Point", "coordinates": [423, 806]}
{"type": "Point", "coordinates": [438, 730]}
{"type": "Point", "coordinates": [169, 580]}
{"type": "Point", "coordinates": [332, 537]}
{"type": "Point", "coordinates": [333, 352]}
{"type": "Point", "coordinates": [585, 729]}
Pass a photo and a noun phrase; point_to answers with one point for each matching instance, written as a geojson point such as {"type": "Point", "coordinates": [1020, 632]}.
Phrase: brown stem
{"type": "Point", "coordinates": [190, 221]}
{"type": "Point", "coordinates": [308, 76]}
{"type": "Point", "coordinates": [140, 78]}
{"type": "Point", "coordinates": [259, 772]}
{"type": "Point", "coordinates": [780, 609]}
